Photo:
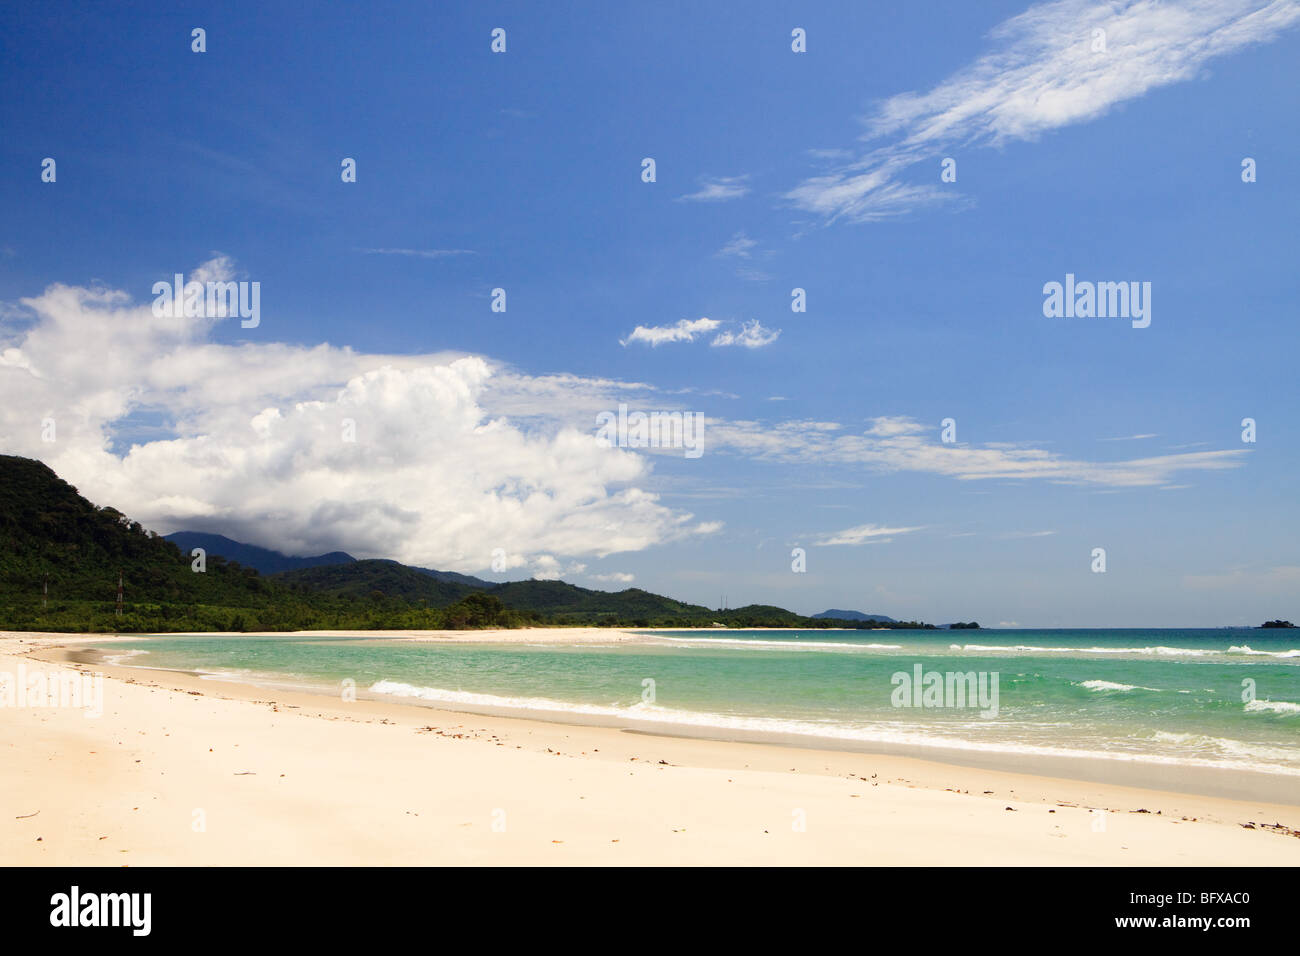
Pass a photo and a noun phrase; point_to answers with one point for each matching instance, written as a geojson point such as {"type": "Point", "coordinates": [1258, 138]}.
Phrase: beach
{"type": "Point", "coordinates": [184, 770]}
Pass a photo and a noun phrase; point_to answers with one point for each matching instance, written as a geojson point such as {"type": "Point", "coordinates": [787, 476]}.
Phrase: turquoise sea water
{"type": "Point", "coordinates": [1223, 697]}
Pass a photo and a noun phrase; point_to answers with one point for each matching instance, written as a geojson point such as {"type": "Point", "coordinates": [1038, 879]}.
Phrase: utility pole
{"type": "Point", "coordinates": [45, 596]}
{"type": "Point", "coordinates": [119, 593]}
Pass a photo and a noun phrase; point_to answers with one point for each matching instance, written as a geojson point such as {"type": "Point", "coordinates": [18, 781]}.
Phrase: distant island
{"type": "Point", "coordinates": [842, 615]}
{"type": "Point", "coordinates": [62, 560]}
{"type": "Point", "coordinates": [1277, 624]}
{"type": "Point", "coordinates": [964, 626]}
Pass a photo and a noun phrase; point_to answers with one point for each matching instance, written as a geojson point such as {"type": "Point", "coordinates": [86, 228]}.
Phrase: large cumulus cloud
{"type": "Point", "coordinates": [251, 440]}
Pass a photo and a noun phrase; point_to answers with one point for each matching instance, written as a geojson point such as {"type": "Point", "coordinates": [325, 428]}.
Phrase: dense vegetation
{"type": "Point", "coordinates": [374, 579]}
{"type": "Point", "coordinates": [51, 537]}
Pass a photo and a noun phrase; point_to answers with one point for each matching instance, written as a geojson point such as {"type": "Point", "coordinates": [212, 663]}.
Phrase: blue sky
{"type": "Point", "coordinates": [774, 170]}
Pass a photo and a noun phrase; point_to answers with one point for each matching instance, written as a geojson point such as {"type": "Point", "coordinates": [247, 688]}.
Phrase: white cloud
{"type": "Point", "coordinates": [217, 269]}
{"type": "Point", "coordinates": [888, 426]}
{"type": "Point", "coordinates": [614, 577]}
{"type": "Point", "coordinates": [436, 477]}
{"type": "Point", "coordinates": [547, 567]}
{"type": "Point", "coordinates": [684, 331]}
{"type": "Point", "coordinates": [1042, 74]}
{"type": "Point", "coordinates": [720, 189]}
{"type": "Point", "coordinates": [739, 245]}
{"type": "Point", "coordinates": [752, 335]}
{"type": "Point", "coordinates": [863, 534]}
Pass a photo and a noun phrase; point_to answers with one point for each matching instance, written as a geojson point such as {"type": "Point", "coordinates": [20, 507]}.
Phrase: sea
{"type": "Point", "coordinates": [1220, 698]}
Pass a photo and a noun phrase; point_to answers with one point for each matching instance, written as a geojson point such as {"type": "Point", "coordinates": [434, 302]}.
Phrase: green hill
{"type": "Point", "coordinates": [375, 579]}
{"type": "Point", "coordinates": [49, 534]}
{"type": "Point", "coordinates": [573, 604]}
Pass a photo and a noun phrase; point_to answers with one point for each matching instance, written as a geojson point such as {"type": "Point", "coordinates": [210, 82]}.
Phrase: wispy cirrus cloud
{"type": "Point", "coordinates": [863, 534]}
{"type": "Point", "coordinates": [900, 444]}
{"type": "Point", "coordinates": [1049, 68]}
{"type": "Point", "coordinates": [739, 245]}
{"type": "Point", "coordinates": [886, 444]}
{"type": "Point", "coordinates": [718, 189]}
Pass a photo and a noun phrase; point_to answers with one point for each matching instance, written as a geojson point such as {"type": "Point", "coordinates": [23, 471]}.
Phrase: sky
{"type": "Point", "coordinates": [922, 172]}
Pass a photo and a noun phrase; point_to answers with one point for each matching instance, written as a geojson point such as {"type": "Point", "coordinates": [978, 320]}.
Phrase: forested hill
{"type": "Point", "coordinates": [49, 533]}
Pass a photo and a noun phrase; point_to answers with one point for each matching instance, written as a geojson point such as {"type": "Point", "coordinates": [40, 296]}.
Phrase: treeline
{"type": "Point", "coordinates": [473, 611]}
{"type": "Point", "coordinates": [289, 613]}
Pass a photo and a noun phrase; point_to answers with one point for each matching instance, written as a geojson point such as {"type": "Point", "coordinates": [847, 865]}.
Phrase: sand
{"type": "Point", "coordinates": [183, 770]}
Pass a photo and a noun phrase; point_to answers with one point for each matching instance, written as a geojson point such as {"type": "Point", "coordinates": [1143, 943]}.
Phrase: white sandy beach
{"type": "Point", "coordinates": [185, 770]}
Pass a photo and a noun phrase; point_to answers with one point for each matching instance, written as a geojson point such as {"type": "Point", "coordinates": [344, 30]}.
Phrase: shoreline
{"type": "Point", "coordinates": [171, 722]}
{"type": "Point", "coordinates": [1135, 771]}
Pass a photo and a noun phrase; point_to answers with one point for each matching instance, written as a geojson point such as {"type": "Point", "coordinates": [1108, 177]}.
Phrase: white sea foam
{"type": "Point", "coordinates": [1246, 649]}
{"type": "Point", "coordinates": [1273, 706]}
{"type": "Point", "coordinates": [124, 655]}
{"type": "Point", "coordinates": [1111, 685]}
{"type": "Point", "coordinates": [796, 645]}
{"type": "Point", "coordinates": [1224, 745]}
{"type": "Point", "coordinates": [1159, 651]}
{"type": "Point", "coordinates": [440, 695]}
{"type": "Point", "coordinates": [1226, 755]}
{"type": "Point", "coordinates": [696, 642]}
{"type": "Point", "coordinates": [1155, 651]}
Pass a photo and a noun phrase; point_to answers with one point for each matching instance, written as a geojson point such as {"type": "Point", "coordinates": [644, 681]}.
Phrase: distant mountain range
{"type": "Point", "coordinates": [263, 560]}
{"type": "Point", "coordinates": [268, 562]}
